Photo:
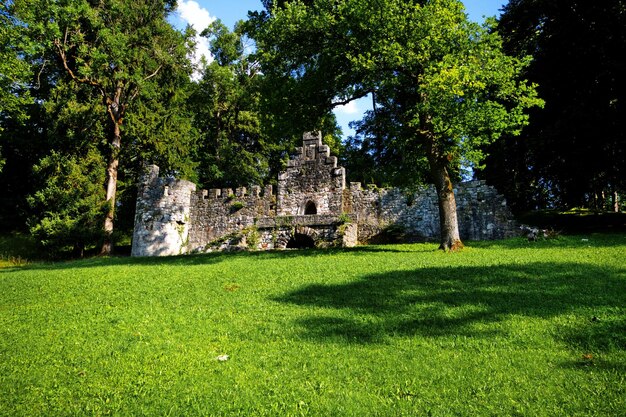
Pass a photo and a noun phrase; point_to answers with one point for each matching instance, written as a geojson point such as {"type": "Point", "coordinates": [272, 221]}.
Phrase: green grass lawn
{"type": "Point", "coordinates": [502, 328]}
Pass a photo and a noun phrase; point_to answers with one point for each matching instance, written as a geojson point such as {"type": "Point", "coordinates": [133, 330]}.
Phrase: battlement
{"type": "Point", "coordinates": [254, 191]}
{"type": "Point", "coordinates": [312, 205]}
{"type": "Point", "coordinates": [312, 151]}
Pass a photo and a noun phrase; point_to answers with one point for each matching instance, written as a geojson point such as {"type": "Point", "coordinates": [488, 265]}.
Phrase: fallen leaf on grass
{"type": "Point", "coordinates": [231, 287]}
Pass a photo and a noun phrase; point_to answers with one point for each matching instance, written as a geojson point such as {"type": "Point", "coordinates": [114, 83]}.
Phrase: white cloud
{"type": "Point", "coordinates": [199, 18]}
{"type": "Point", "coordinates": [355, 107]}
{"type": "Point", "coordinates": [350, 108]}
{"type": "Point", "coordinates": [352, 111]}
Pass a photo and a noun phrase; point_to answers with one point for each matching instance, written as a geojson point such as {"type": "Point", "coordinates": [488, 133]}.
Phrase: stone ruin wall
{"type": "Point", "coordinates": [311, 177]}
{"type": "Point", "coordinates": [173, 218]}
{"type": "Point", "coordinates": [482, 213]}
{"type": "Point", "coordinates": [324, 230]}
{"type": "Point", "coordinates": [162, 215]}
{"type": "Point", "coordinates": [216, 213]}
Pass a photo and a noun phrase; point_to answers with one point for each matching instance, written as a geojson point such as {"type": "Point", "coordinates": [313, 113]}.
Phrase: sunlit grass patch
{"type": "Point", "coordinates": [501, 328]}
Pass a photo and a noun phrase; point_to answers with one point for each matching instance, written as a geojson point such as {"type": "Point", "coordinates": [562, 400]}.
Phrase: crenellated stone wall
{"type": "Point", "coordinates": [217, 213]}
{"type": "Point", "coordinates": [312, 206]}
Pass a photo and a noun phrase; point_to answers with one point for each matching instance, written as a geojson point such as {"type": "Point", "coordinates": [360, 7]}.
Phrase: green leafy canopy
{"type": "Point", "coordinates": [463, 89]}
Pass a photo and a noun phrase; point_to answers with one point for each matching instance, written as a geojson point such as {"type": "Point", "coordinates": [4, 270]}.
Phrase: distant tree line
{"type": "Point", "coordinates": [91, 90]}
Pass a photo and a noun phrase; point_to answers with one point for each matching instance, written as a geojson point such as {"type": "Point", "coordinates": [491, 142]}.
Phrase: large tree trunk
{"type": "Point", "coordinates": [438, 162]}
{"type": "Point", "coordinates": [450, 239]}
{"type": "Point", "coordinates": [107, 245]}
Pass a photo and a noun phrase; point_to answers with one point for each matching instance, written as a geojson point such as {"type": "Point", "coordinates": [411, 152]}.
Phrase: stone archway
{"type": "Point", "coordinates": [302, 238]}
{"type": "Point", "coordinates": [300, 241]}
{"type": "Point", "coordinates": [310, 208]}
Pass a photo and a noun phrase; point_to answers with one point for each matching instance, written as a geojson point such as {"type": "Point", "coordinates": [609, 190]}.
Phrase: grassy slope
{"type": "Point", "coordinates": [507, 328]}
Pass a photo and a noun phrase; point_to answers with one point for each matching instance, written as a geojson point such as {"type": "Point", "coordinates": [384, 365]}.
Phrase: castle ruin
{"type": "Point", "coordinates": [312, 207]}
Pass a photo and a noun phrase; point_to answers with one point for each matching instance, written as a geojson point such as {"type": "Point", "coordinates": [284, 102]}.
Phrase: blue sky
{"type": "Point", "coordinates": [200, 13]}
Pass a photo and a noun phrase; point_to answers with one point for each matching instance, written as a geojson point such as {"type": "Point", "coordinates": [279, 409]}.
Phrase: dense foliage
{"type": "Point", "coordinates": [13, 72]}
{"type": "Point", "coordinates": [573, 153]}
{"type": "Point", "coordinates": [72, 187]}
{"type": "Point", "coordinates": [232, 149]}
{"type": "Point", "coordinates": [92, 73]}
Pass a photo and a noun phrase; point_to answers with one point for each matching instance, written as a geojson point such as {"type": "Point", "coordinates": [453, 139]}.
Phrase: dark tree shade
{"type": "Point", "coordinates": [573, 153]}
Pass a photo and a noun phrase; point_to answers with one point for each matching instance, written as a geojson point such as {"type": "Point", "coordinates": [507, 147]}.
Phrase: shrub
{"type": "Point", "coordinates": [344, 218]}
{"type": "Point", "coordinates": [253, 238]}
{"type": "Point", "coordinates": [236, 206]}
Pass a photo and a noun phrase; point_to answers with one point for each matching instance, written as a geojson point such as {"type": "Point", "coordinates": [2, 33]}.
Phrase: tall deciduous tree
{"type": "Point", "coordinates": [117, 49]}
{"type": "Point", "coordinates": [445, 80]}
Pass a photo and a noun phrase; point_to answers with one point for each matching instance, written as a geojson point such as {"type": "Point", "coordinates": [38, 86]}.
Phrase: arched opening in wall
{"type": "Point", "coordinates": [300, 241]}
{"type": "Point", "coordinates": [310, 208]}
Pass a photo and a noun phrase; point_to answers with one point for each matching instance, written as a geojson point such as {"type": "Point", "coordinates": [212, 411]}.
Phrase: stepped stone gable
{"type": "Point", "coordinates": [312, 207]}
{"type": "Point", "coordinates": [312, 183]}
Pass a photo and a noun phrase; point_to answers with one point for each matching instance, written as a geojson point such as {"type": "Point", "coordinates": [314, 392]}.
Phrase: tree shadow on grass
{"type": "Point", "coordinates": [593, 339]}
{"type": "Point", "coordinates": [470, 301]}
{"type": "Point", "coordinates": [601, 240]}
{"type": "Point", "coordinates": [208, 258]}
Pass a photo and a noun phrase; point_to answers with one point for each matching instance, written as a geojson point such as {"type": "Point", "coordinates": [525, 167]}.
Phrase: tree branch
{"type": "Point", "coordinates": [63, 56]}
{"type": "Point", "coordinates": [134, 94]}
{"type": "Point", "coordinates": [154, 73]}
{"type": "Point", "coordinates": [352, 98]}
{"type": "Point", "coordinates": [135, 91]}
{"type": "Point", "coordinates": [61, 51]}
{"type": "Point", "coordinates": [43, 65]}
